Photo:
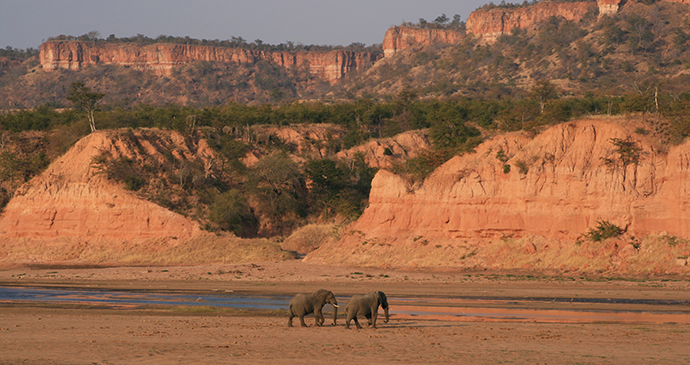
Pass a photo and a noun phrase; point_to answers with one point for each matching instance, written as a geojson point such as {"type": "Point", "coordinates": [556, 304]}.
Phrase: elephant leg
{"type": "Point", "coordinates": [319, 318]}
{"type": "Point", "coordinates": [369, 320]}
{"type": "Point", "coordinates": [374, 315]}
{"type": "Point", "coordinates": [291, 315]}
{"type": "Point", "coordinates": [350, 316]}
{"type": "Point", "coordinates": [301, 321]}
{"type": "Point", "coordinates": [357, 323]}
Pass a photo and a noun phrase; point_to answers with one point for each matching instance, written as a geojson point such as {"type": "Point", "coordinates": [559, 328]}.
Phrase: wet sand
{"type": "Point", "coordinates": [74, 334]}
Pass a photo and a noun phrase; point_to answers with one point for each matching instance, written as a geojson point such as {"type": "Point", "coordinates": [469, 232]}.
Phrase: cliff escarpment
{"type": "Point", "coordinates": [400, 37]}
{"type": "Point", "coordinates": [519, 202]}
{"type": "Point", "coordinates": [163, 57]}
{"type": "Point", "coordinates": [492, 23]}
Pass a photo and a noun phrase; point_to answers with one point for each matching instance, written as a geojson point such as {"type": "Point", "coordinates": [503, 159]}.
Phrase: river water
{"type": "Point", "coordinates": [452, 309]}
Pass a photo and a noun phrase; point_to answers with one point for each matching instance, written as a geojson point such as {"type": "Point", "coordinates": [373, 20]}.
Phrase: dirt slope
{"type": "Point", "coordinates": [72, 212]}
{"type": "Point", "coordinates": [531, 208]}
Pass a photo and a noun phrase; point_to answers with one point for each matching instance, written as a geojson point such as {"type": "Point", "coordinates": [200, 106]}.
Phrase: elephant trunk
{"type": "Point", "coordinates": [385, 311]}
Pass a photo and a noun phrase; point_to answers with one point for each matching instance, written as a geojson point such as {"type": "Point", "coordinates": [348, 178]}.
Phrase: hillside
{"type": "Point", "coordinates": [502, 51]}
{"type": "Point", "coordinates": [533, 203]}
{"type": "Point", "coordinates": [72, 213]}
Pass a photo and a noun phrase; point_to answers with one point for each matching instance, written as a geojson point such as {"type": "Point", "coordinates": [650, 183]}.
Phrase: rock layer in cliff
{"type": "Point", "coordinates": [161, 58]}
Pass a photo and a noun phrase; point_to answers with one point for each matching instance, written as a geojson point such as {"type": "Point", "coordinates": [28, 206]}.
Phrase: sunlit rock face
{"type": "Point", "coordinates": [492, 23]}
{"type": "Point", "coordinates": [608, 7]}
{"type": "Point", "coordinates": [558, 186]}
{"type": "Point", "coordinates": [162, 58]}
{"type": "Point", "coordinates": [401, 37]}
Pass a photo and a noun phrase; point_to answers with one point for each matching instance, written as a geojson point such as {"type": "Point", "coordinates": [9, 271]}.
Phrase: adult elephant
{"type": "Point", "coordinates": [366, 305]}
{"type": "Point", "coordinates": [303, 304]}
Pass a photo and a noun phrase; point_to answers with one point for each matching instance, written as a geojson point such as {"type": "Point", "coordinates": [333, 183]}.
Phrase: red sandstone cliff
{"type": "Point", "coordinates": [401, 37]}
{"type": "Point", "coordinates": [563, 190]}
{"type": "Point", "coordinates": [162, 58]}
{"type": "Point", "coordinates": [492, 23]}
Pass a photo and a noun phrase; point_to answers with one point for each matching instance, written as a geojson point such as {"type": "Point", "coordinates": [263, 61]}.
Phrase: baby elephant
{"type": "Point", "coordinates": [303, 304]}
{"type": "Point", "coordinates": [366, 305]}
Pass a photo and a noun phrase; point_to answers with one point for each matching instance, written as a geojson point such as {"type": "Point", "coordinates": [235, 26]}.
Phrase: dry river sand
{"type": "Point", "coordinates": [75, 334]}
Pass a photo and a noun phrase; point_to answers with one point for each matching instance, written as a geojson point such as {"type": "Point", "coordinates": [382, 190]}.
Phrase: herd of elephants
{"type": "Point", "coordinates": [366, 305]}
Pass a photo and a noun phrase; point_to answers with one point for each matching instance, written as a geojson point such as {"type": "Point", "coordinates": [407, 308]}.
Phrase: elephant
{"type": "Point", "coordinates": [303, 304]}
{"type": "Point", "coordinates": [366, 305]}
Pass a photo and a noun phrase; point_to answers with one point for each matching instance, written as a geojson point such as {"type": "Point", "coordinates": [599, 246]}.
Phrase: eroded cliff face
{"type": "Point", "coordinates": [608, 7]}
{"type": "Point", "coordinates": [400, 37]}
{"type": "Point", "coordinates": [557, 188]}
{"type": "Point", "coordinates": [72, 199]}
{"type": "Point", "coordinates": [161, 58]}
{"type": "Point", "coordinates": [492, 23]}
{"type": "Point", "coordinates": [489, 24]}
{"type": "Point", "coordinates": [384, 153]}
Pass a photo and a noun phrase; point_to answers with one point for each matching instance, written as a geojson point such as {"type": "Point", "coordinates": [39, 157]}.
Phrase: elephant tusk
{"type": "Point", "coordinates": [335, 305]}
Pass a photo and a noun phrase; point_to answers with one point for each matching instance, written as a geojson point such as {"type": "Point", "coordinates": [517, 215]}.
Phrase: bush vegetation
{"type": "Point", "coordinates": [603, 231]}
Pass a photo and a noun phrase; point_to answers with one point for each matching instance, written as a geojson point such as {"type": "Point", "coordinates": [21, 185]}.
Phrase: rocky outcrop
{"type": "Point", "coordinates": [384, 153]}
{"type": "Point", "coordinates": [608, 7]}
{"type": "Point", "coordinates": [162, 58]}
{"type": "Point", "coordinates": [556, 187]}
{"type": "Point", "coordinates": [400, 37]}
{"type": "Point", "coordinates": [494, 22]}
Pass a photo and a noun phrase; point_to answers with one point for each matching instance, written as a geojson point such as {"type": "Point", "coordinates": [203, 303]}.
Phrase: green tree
{"type": "Point", "coordinates": [543, 91]}
{"type": "Point", "coordinates": [231, 212]}
{"type": "Point", "coordinates": [448, 127]}
{"type": "Point", "coordinates": [84, 99]}
{"type": "Point", "coordinates": [277, 183]}
{"type": "Point", "coordinates": [327, 181]}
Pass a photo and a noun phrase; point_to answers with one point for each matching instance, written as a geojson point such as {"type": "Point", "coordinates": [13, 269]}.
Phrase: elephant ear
{"type": "Point", "coordinates": [322, 294]}
{"type": "Point", "coordinates": [382, 299]}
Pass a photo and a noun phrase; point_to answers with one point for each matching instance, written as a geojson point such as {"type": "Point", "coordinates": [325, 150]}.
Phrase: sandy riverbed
{"type": "Point", "coordinates": [39, 334]}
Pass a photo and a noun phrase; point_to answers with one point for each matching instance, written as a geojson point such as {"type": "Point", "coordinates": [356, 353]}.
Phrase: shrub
{"type": "Point", "coordinates": [604, 230]}
{"type": "Point", "coordinates": [522, 166]}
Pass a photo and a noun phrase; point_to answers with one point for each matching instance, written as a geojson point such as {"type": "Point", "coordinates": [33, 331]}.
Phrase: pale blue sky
{"type": "Point", "coordinates": [26, 23]}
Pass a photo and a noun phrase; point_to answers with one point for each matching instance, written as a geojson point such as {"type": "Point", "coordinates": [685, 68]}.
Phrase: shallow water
{"type": "Point", "coordinates": [130, 298]}
{"type": "Point", "coordinates": [449, 309]}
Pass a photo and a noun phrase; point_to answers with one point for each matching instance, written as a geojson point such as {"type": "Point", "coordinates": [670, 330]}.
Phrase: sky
{"type": "Point", "coordinates": [27, 23]}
